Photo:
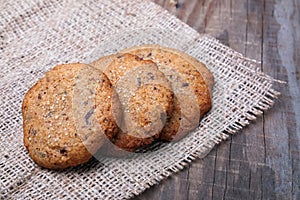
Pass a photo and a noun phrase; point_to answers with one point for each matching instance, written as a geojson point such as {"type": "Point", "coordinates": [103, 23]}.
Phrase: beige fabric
{"type": "Point", "coordinates": [37, 35]}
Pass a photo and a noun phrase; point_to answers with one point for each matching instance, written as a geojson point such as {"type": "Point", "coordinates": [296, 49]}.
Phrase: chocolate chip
{"type": "Point", "coordinates": [154, 88]}
{"type": "Point", "coordinates": [63, 151]}
{"type": "Point", "coordinates": [32, 131]}
{"type": "Point", "coordinates": [39, 96]}
{"type": "Point", "coordinates": [151, 75]}
{"type": "Point", "coordinates": [184, 85]}
{"type": "Point", "coordinates": [139, 81]}
{"type": "Point", "coordinates": [120, 56]}
{"type": "Point", "coordinates": [149, 55]}
{"type": "Point", "coordinates": [88, 115]}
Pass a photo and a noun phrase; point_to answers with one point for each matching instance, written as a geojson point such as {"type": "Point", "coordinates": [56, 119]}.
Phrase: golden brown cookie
{"type": "Point", "coordinates": [68, 114]}
{"type": "Point", "coordinates": [192, 93]}
{"type": "Point", "coordinates": [146, 98]}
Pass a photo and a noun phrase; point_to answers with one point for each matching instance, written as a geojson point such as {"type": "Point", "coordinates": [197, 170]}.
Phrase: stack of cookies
{"type": "Point", "coordinates": [118, 104]}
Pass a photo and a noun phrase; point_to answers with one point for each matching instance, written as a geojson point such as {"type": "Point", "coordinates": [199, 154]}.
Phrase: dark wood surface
{"type": "Point", "coordinates": [262, 161]}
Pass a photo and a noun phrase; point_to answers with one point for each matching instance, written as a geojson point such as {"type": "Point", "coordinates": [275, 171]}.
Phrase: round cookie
{"type": "Point", "coordinates": [146, 98]}
{"type": "Point", "coordinates": [192, 94]}
{"type": "Point", "coordinates": [68, 114]}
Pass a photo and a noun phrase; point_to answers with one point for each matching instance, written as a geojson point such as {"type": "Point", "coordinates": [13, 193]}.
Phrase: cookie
{"type": "Point", "coordinates": [146, 98]}
{"type": "Point", "coordinates": [192, 93]}
{"type": "Point", "coordinates": [68, 114]}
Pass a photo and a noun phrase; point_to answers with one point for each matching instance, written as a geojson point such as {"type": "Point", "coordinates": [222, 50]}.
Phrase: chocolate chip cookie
{"type": "Point", "coordinates": [68, 114]}
{"type": "Point", "coordinates": [146, 98]}
{"type": "Point", "coordinates": [192, 91]}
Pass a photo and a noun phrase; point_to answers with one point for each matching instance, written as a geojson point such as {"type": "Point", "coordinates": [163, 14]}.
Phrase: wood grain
{"type": "Point", "coordinates": [263, 160]}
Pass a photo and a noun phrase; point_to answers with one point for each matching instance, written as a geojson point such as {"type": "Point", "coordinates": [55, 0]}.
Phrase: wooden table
{"type": "Point", "coordinates": [263, 160]}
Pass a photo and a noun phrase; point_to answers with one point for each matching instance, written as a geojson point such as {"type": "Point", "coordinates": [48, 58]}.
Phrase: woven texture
{"type": "Point", "coordinates": [37, 35]}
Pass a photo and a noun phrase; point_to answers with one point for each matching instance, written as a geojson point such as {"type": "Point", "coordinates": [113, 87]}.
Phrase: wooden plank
{"type": "Point", "coordinates": [281, 45]}
{"type": "Point", "coordinates": [263, 160]}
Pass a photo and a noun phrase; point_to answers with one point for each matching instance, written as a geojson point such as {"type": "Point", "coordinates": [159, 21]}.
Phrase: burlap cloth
{"type": "Point", "coordinates": [37, 35]}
